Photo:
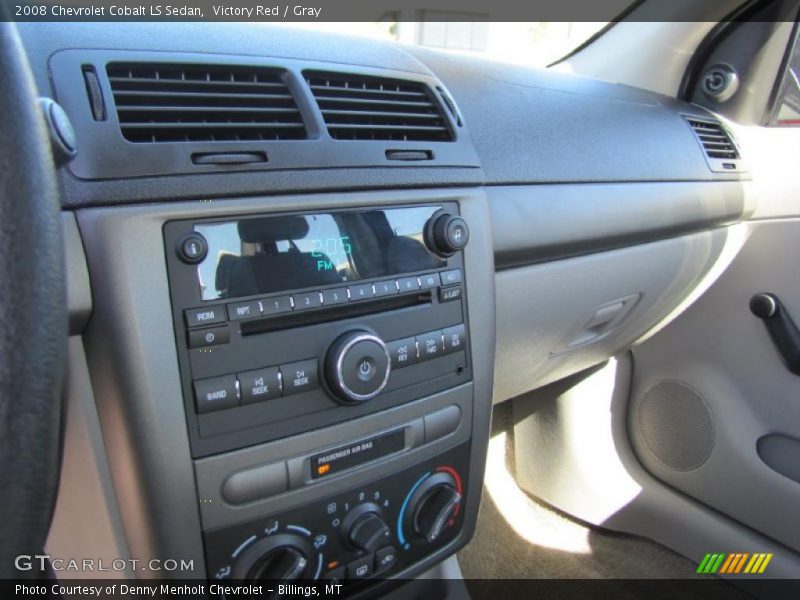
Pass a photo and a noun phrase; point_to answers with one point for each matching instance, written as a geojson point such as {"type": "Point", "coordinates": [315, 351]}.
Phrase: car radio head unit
{"type": "Point", "coordinates": [291, 322]}
{"type": "Point", "coordinates": [260, 255]}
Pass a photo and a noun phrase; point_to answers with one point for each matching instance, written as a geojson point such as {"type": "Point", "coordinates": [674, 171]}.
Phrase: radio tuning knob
{"type": "Point", "coordinates": [357, 367]}
{"type": "Point", "coordinates": [446, 234]}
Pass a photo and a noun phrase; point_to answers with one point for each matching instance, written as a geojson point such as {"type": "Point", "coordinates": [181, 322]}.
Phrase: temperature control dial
{"type": "Point", "coordinates": [432, 506]}
{"type": "Point", "coordinates": [357, 367]}
{"type": "Point", "coordinates": [279, 558]}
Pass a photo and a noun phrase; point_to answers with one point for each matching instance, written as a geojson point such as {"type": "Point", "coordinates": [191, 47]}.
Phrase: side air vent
{"type": "Point", "coordinates": [203, 103]}
{"type": "Point", "coordinates": [715, 140]}
{"type": "Point", "coordinates": [357, 107]}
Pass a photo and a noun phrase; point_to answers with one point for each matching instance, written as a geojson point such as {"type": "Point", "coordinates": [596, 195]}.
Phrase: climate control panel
{"type": "Point", "coordinates": [369, 532]}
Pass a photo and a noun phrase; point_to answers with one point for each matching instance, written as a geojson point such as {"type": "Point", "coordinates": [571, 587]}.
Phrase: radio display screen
{"type": "Point", "coordinates": [260, 255]}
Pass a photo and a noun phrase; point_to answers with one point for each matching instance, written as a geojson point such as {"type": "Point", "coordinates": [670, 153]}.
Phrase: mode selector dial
{"type": "Point", "coordinates": [446, 234]}
{"type": "Point", "coordinates": [278, 558]}
{"type": "Point", "coordinates": [357, 367]}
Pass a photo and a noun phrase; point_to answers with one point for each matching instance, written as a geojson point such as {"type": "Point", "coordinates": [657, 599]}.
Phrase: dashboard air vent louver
{"type": "Point", "coordinates": [357, 107]}
{"type": "Point", "coordinates": [715, 139]}
{"type": "Point", "coordinates": [203, 103]}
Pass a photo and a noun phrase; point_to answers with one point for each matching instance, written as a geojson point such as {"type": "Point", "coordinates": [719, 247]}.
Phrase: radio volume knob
{"type": "Point", "coordinates": [357, 367]}
{"type": "Point", "coordinates": [447, 234]}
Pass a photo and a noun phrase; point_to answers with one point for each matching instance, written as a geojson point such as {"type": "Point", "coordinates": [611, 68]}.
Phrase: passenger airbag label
{"type": "Point", "coordinates": [357, 453]}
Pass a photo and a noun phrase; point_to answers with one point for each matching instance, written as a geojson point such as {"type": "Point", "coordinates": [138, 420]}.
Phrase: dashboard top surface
{"type": "Point", "coordinates": [526, 125]}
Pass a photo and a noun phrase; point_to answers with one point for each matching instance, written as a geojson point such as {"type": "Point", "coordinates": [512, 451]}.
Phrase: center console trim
{"type": "Point", "coordinates": [134, 369]}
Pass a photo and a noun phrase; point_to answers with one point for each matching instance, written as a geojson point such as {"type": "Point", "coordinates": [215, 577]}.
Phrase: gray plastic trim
{"type": "Point", "coordinates": [87, 500]}
{"type": "Point", "coordinates": [79, 292]}
{"type": "Point", "coordinates": [543, 309]}
{"type": "Point", "coordinates": [539, 223]}
{"type": "Point", "coordinates": [213, 471]}
{"type": "Point", "coordinates": [130, 347]}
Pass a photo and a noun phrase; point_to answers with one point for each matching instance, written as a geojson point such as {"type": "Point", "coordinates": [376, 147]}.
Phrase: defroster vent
{"type": "Point", "coordinates": [715, 140]}
{"type": "Point", "coordinates": [203, 103]}
{"type": "Point", "coordinates": [357, 107]}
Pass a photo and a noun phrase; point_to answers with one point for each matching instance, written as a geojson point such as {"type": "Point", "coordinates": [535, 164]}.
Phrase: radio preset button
{"type": "Point", "coordinates": [307, 300]}
{"type": "Point", "coordinates": [216, 393]}
{"type": "Point", "coordinates": [451, 277]}
{"type": "Point", "coordinates": [408, 284]}
{"type": "Point", "coordinates": [200, 317]}
{"type": "Point", "coordinates": [385, 288]}
{"type": "Point", "coordinates": [299, 377]}
{"type": "Point", "coordinates": [430, 345]}
{"type": "Point", "coordinates": [276, 305]}
{"type": "Point", "coordinates": [429, 280]}
{"type": "Point", "coordinates": [214, 336]}
{"type": "Point", "coordinates": [450, 294]}
{"type": "Point", "coordinates": [363, 291]}
{"type": "Point", "coordinates": [244, 310]}
{"type": "Point", "coordinates": [261, 384]}
{"type": "Point", "coordinates": [336, 296]}
{"type": "Point", "coordinates": [403, 352]}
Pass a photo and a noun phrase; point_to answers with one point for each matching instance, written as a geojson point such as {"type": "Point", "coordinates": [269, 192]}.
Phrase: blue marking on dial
{"type": "Point", "coordinates": [400, 535]}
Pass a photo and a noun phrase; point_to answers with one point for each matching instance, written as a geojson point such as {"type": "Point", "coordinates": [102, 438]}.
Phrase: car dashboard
{"type": "Point", "coordinates": [302, 268]}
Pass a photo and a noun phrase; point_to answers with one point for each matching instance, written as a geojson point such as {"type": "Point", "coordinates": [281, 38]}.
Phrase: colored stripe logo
{"type": "Point", "coordinates": [734, 563]}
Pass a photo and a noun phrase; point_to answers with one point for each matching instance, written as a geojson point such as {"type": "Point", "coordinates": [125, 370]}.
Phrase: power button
{"type": "Point", "coordinates": [366, 369]}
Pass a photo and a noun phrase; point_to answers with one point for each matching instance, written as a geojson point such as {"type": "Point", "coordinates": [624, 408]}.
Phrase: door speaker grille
{"type": "Point", "coordinates": [675, 425]}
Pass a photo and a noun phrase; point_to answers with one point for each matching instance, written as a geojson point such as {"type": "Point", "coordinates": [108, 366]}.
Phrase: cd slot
{"type": "Point", "coordinates": [333, 313]}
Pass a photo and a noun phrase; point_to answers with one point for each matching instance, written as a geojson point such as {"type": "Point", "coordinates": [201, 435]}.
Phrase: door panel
{"type": "Point", "coordinates": [710, 390]}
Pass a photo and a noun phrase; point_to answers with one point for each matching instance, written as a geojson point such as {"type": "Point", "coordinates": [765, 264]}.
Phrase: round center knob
{"type": "Point", "coordinates": [357, 366]}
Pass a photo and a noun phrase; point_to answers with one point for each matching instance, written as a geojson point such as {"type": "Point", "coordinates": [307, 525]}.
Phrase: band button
{"type": "Point", "coordinates": [215, 393]}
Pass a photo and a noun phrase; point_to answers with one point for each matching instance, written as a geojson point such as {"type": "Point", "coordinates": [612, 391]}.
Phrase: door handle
{"type": "Point", "coordinates": [781, 328]}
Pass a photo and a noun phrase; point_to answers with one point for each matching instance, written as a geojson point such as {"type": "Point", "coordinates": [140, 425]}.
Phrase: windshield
{"type": "Point", "coordinates": [534, 44]}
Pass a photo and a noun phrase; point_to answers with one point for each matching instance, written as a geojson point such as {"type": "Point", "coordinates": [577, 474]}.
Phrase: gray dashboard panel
{"type": "Point", "coordinates": [540, 126]}
{"type": "Point", "coordinates": [533, 125]}
{"type": "Point", "coordinates": [130, 347]}
{"type": "Point", "coordinates": [545, 311]}
{"type": "Point", "coordinates": [535, 224]}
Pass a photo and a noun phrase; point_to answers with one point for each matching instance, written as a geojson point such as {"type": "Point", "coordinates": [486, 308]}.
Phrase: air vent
{"type": "Point", "coordinates": [203, 103]}
{"type": "Point", "coordinates": [373, 108]}
{"type": "Point", "coordinates": [715, 140]}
